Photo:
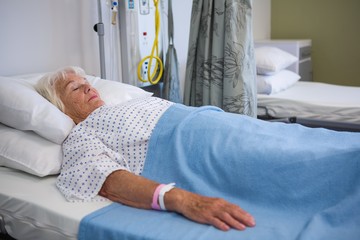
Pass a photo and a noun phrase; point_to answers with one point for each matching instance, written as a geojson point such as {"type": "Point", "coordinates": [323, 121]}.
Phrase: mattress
{"type": "Point", "coordinates": [32, 207]}
{"type": "Point", "coordinates": [313, 100]}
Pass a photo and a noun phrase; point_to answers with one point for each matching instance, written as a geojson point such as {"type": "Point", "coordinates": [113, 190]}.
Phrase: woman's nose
{"type": "Point", "coordinates": [87, 87]}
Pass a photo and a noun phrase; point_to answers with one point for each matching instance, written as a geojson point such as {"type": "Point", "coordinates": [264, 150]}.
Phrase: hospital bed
{"type": "Point", "coordinates": [283, 96]}
{"type": "Point", "coordinates": [31, 207]}
{"type": "Point", "coordinates": [314, 104]}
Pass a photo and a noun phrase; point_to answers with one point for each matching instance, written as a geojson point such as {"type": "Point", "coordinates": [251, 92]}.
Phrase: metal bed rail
{"type": "Point", "coordinates": [314, 123]}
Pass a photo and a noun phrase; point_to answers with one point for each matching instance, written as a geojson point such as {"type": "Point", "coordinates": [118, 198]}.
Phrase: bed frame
{"type": "Point", "coordinates": [3, 233]}
{"type": "Point", "coordinates": [314, 123]}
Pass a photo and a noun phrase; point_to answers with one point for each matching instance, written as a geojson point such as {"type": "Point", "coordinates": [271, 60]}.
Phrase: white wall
{"type": "Point", "coordinates": [43, 35]}
{"type": "Point", "coordinates": [182, 17]}
{"type": "Point", "coordinates": [261, 19]}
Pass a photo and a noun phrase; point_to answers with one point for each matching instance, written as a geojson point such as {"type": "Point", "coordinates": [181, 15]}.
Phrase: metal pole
{"type": "Point", "coordinates": [99, 28]}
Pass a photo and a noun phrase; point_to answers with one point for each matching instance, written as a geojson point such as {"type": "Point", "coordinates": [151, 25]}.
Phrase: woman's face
{"type": "Point", "coordinates": [78, 96]}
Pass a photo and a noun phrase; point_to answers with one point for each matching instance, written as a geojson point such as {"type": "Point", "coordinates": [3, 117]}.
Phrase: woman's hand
{"type": "Point", "coordinates": [206, 210]}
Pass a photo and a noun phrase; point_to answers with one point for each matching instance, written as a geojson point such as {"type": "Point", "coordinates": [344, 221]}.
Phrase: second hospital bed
{"type": "Point", "coordinates": [314, 104]}
{"type": "Point", "coordinates": [287, 93]}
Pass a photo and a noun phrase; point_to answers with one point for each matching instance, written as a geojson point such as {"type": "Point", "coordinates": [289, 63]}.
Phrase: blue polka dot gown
{"type": "Point", "coordinates": [111, 138]}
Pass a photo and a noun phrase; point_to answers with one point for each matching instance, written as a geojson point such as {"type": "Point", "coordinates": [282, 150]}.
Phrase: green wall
{"type": "Point", "coordinates": [333, 26]}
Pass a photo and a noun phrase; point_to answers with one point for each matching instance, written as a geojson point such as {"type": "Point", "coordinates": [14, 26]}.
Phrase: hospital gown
{"type": "Point", "coordinates": [109, 139]}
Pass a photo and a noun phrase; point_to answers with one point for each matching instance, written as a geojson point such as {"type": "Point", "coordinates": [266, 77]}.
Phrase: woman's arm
{"type": "Point", "coordinates": [136, 191]}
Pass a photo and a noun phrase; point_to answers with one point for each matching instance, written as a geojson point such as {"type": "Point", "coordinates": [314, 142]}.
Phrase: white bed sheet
{"type": "Point", "coordinates": [33, 208]}
{"type": "Point", "coordinates": [313, 100]}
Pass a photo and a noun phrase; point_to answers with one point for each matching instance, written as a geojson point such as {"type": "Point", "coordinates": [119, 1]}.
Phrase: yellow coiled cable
{"type": "Point", "coordinates": [155, 48]}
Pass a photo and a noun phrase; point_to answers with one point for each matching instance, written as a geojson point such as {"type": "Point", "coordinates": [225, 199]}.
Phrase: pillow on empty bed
{"type": "Point", "coordinates": [270, 60]}
{"type": "Point", "coordinates": [23, 108]}
{"type": "Point", "coordinates": [27, 151]}
{"type": "Point", "coordinates": [276, 83]}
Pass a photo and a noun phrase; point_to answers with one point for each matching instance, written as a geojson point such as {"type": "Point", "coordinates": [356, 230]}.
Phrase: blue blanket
{"type": "Point", "coordinates": [298, 183]}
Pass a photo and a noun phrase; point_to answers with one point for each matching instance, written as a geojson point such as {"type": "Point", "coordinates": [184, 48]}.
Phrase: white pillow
{"type": "Point", "coordinates": [115, 92]}
{"type": "Point", "coordinates": [23, 108]}
{"type": "Point", "coordinates": [276, 83]}
{"type": "Point", "coordinates": [270, 60]}
{"type": "Point", "coordinates": [262, 86]}
{"type": "Point", "coordinates": [27, 151]}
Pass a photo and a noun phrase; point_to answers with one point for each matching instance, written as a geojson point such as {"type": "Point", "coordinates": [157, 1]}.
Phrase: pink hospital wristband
{"type": "Point", "coordinates": [154, 203]}
{"type": "Point", "coordinates": [162, 192]}
{"type": "Point", "coordinates": [159, 194]}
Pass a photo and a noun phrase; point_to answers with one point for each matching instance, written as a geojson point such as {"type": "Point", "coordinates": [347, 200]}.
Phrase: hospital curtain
{"type": "Point", "coordinates": [220, 68]}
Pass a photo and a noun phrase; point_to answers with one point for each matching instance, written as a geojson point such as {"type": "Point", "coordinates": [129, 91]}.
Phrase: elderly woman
{"type": "Point", "coordinates": [102, 161]}
{"type": "Point", "coordinates": [279, 171]}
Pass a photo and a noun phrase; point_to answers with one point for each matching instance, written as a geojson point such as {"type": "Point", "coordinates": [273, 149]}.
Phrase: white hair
{"type": "Point", "coordinates": [46, 85]}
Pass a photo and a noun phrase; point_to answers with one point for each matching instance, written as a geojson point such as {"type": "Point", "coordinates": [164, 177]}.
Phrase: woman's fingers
{"type": "Point", "coordinates": [226, 221]}
{"type": "Point", "coordinates": [242, 216]}
{"type": "Point", "coordinates": [216, 212]}
{"type": "Point", "coordinates": [232, 216]}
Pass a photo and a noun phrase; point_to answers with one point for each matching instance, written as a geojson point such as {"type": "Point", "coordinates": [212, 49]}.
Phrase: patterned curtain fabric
{"type": "Point", "coordinates": [221, 65]}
